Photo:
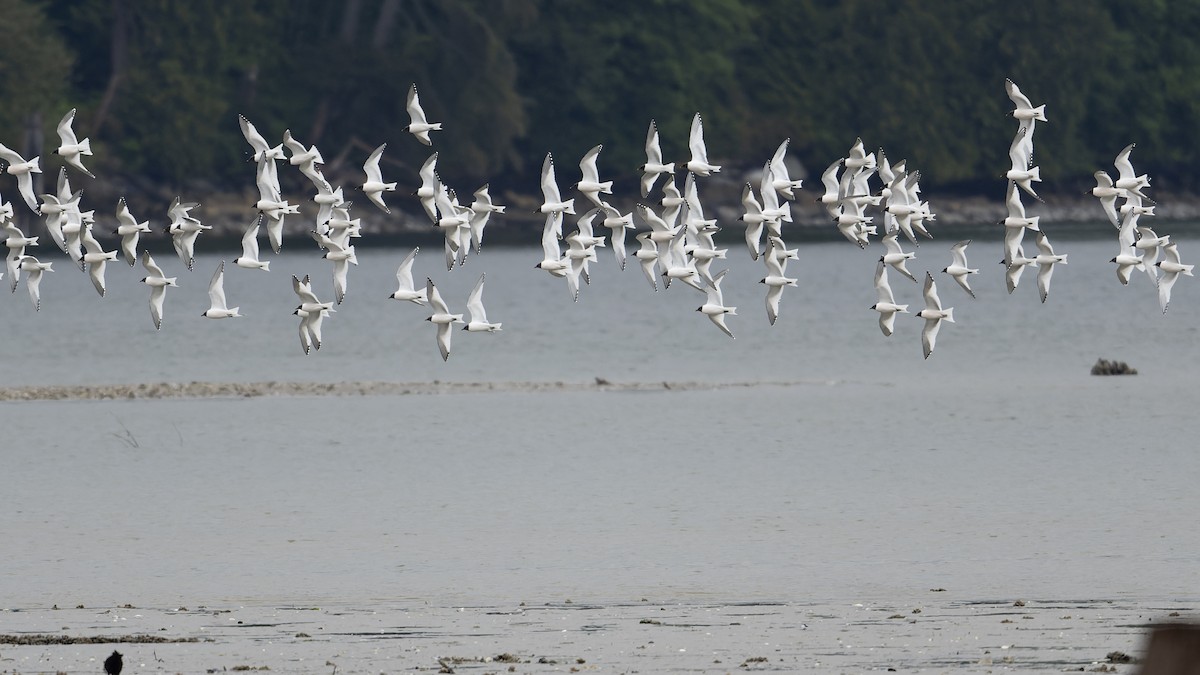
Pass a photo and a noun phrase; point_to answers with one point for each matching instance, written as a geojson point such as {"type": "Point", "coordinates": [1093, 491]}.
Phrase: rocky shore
{"type": "Point", "coordinates": [229, 212]}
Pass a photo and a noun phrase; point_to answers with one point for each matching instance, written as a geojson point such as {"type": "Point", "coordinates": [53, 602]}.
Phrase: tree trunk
{"type": "Point", "coordinates": [350, 20]}
{"type": "Point", "coordinates": [383, 25]}
{"type": "Point", "coordinates": [118, 54]}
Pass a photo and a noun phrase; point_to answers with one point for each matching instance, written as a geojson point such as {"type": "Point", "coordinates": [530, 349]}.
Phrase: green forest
{"type": "Point", "coordinates": [159, 84]}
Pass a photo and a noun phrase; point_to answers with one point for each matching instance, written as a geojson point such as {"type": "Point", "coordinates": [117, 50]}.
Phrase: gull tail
{"type": "Point", "coordinates": [606, 187]}
{"type": "Point", "coordinates": [1187, 270]}
{"type": "Point", "coordinates": [85, 146]}
{"type": "Point", "coordinates": [1035, 174]}
{"type": "Point", "coordinates": [1033, 224]}
{"type": "Point", "coordinates": [949, 314]}
{"type": "Point", "coordinates": [570, 206]}
{"type": "Point", "coordinates": [1039, 113]}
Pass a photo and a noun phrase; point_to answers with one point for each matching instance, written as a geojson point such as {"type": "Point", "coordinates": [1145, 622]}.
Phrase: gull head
{"type": "Point", "coordinates": [1115, 260]}
{"type": "Point", "coordinates": [429, 318]}
{"type": "Point", "coordinates": [945, 268]}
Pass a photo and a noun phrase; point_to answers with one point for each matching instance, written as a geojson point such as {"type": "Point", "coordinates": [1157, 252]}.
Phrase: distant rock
{"type": "Point", "coordinates": [1106, 367]}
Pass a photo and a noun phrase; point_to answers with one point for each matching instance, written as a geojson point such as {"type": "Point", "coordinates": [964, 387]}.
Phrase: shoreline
{"type": "Point", "coordinates": [229, 212]}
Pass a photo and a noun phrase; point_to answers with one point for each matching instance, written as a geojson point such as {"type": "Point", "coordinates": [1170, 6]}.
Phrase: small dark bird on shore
{"type": "Point", "coordinates": [112, 665]}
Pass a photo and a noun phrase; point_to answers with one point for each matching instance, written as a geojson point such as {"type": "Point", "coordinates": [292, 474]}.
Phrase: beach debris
{"type": "Point", "coordinates": [1118, 657]}
{"type": "Point", "coordinates": [31, 639]}
{"type": "Point", "coordinates": [1106, 367]}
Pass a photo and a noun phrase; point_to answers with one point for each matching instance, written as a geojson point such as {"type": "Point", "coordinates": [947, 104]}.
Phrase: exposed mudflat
{"type": "Point", "coordinates": [929, 632]}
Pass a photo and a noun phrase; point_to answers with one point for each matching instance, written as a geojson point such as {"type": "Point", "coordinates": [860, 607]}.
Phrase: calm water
{"type": "Point", "coordinates": [620, 329]}
{"type": "Point", "coordinates": [997, 468]}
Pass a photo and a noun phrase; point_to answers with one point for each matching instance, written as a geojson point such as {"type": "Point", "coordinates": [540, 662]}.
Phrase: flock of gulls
{"type": "Point", "coordinates": [675, 240]}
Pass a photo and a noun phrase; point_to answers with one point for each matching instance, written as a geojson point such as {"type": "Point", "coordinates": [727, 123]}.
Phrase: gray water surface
{"type": "Point", "coordinates": [848, 467]}
{"type": "Point", "coordinates": [620, 329]}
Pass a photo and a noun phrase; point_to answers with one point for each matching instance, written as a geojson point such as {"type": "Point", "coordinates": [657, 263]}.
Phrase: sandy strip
{"type": "Point", "coordinates": [159, 390]}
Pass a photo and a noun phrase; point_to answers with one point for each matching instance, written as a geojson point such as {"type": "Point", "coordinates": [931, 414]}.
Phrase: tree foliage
{"type": "Point", "coordinates": [34, 66]}
{"type": "Point", "coordinates": [159, 84]}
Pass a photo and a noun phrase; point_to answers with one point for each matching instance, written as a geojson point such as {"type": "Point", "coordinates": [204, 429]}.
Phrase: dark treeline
{"type": "Point", "coordinates": [159, 83]}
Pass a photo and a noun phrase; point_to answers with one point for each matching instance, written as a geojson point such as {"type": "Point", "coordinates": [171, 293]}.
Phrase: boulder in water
{"type": "Point", "coordinates": [1106, 367]}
